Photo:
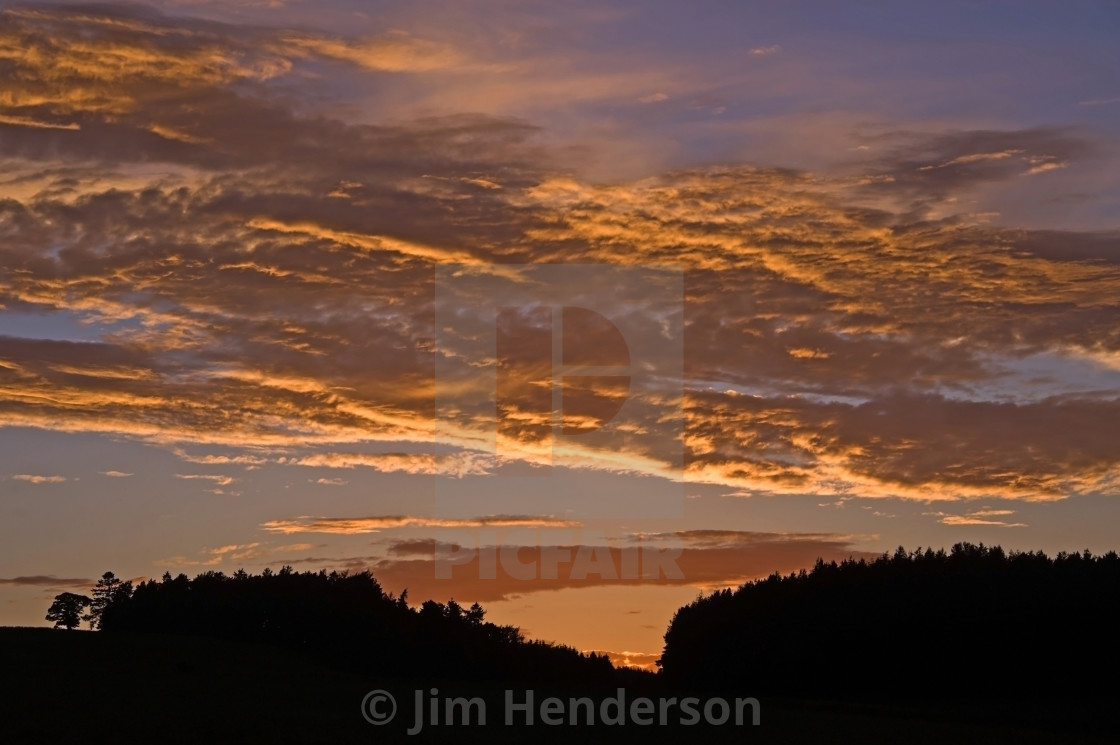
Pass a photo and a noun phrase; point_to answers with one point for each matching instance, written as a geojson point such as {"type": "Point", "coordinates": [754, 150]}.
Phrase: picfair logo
{"type": "Point", "coordinates": [564, 383]}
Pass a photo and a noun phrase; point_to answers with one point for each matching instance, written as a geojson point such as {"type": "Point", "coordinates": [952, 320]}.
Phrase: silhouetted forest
{"type": "Point", "coordinates": [970, 645]}
{"type": "Point", "coordinates": [345, 618]}
{"type": "Point", "coordinates": [972, 621]}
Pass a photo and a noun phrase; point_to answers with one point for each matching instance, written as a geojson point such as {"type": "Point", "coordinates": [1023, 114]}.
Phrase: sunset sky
{"type": "Point", "coordinates": [299, 282]}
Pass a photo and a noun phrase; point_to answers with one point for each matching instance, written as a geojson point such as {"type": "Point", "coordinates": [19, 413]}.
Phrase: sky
{"type": "Point", "coordinates": [573, 309]}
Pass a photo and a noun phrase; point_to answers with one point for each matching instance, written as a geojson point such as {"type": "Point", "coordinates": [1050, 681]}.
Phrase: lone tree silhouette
{"type": "Point", "coordinates": [66, 610]}
{"type": "Point", "coordinates": [109, 589]}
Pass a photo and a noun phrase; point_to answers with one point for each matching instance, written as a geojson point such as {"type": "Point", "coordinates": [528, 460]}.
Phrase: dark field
{"type": "Point", "coordinates": [81, 686]}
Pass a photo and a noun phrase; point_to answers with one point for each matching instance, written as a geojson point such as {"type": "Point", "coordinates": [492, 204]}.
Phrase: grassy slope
{"type": "Point", "coordinates": [150, 688]}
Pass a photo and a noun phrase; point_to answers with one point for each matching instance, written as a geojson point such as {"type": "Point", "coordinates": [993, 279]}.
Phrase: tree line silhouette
{"type": "Point", "coordinates": [345, 618]}
{"type": "Point", "coordinates": [974, 620]}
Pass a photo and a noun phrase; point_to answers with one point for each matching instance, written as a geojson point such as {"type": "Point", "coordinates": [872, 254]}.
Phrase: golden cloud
{"type": "Point", "coordinates": [358, 525]}
{"type": "Point", "coordinates": [836, 343]}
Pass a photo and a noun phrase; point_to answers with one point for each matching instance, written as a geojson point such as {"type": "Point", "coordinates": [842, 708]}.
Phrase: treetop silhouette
{"type": "Point", "coordinates": [345, 617]}
{"type": "Point", "coordinates": [923, 617]}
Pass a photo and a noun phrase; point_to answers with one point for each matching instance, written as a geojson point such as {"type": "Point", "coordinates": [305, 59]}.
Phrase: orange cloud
{"type": "Point", "coordinates": [497, 573]}
{"type": "Point", "coordinates": [219, 479]}
{"type": "Point", "coordinates": [846, 334]}
{"type": "Point", "coordinates": [397, 52]}
{"type": "Point", "coordinates": [233, 554]}
{"type": "Point", "coordinates": [978, 517]}
{"type": "Point", "coordinates": [458, 464]}
{"type": "Point", "coordinates": [34, 478]}
{"type": "Point", "coordinates": [357, 525]}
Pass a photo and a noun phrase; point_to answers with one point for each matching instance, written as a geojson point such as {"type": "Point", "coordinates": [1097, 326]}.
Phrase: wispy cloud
{"type": "Point", "coordinates": [397, 52]}
{"type": "Point", "coordinates": [219, 479]}
{"type": "Point", "coordinates": [1099, 101]}
{"type": "Point", "coordinates": [22, 121]}
{"type": "Point", "coordinates": [48, 580]}
{"type": "Point", "coordinates": [235, 554]}
{"type": "Point", "coordinates": [988, 517]}
{"type": "Point", "coordinates": [352, 525]}
{"type": "Point", "coordinates": [33, 478]}
{"type": "Point", "coordinates": [460, 464]}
